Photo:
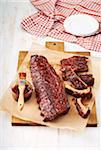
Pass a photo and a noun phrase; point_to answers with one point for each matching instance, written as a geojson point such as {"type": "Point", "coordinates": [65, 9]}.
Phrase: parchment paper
{"type": "Point", "coordinates": [30, 111]}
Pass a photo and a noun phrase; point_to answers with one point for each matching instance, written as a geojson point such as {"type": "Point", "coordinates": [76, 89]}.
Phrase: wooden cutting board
{"type": "Point", "coordinates": [92, 122]}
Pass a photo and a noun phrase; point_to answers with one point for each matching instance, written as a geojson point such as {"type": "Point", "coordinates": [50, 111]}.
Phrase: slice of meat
{"type": "Point", "coordinates": [70, 75]}
{"type": "Point", "coordinates": [87, 78]}
{"type": "Point", "coordinates": [50, 92]}
{"type": "Point", "coordinates": [70, 67]}
{"type": "Point", "coordinates": [83, 110]}
{"type": "Point", "coordinates": [77, 63]}
{"type": "Point", "coordinates": [76, 84]}
{"type": "Point", "coordinates": [85, 93]}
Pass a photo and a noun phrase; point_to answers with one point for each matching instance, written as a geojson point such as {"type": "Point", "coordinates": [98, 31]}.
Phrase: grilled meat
{"type": "Point", "coordinates": [50, 92]}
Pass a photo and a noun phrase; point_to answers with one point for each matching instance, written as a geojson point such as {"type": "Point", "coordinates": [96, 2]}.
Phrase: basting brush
{"type": "Point", "coordinates": [21, 86]}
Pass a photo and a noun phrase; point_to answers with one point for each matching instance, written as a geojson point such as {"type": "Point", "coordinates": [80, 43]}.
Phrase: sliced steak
{"type": "Point", "coordinates": [70, 75]}
{"type": "Point", "coordinates": [77, 63]}
{"type": "Point", "coordinates": [87, 78]}
{"type": "Point", "coordinates": [83, 110]}
{"type": "Point", "coordinates": [85, 93]}
{"type": "Point", "coordinates": [77, 84]}
{"type": "Point", "coordinates": [50, 92]}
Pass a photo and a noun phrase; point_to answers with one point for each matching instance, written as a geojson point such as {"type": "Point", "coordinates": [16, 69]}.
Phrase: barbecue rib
{"type": "Point", "coordinates": [77, 82]}
{"type": "Point", "coordinates": [83, 111]}
{"type": "Point", "coordinates": [50, 92]}
{"type": "Point", "coordinates": [77, 63]}
{"type": "Point", "coordinates": [70, 67]}
{"type": "Point", "coordinates": [69, 75]}
{"type": "Point", "coordinates": [85, 93]}
{"type": "Point", "coordinates": [87, 78]}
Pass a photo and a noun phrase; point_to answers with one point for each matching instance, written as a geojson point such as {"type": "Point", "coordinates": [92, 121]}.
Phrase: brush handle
{"type": "Point", "coordinates": [21, 96]}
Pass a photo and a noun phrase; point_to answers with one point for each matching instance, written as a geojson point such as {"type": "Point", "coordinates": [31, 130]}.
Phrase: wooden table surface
{"type": "Point", "coordinates": [12, 40]}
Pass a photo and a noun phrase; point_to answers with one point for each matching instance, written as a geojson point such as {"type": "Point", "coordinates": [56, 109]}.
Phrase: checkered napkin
{"type": "Point", "coordinates": [49, 19]}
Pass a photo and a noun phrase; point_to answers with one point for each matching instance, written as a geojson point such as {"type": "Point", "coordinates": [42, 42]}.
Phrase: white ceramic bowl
{"type": "Point", "coordinates": [81, 25]}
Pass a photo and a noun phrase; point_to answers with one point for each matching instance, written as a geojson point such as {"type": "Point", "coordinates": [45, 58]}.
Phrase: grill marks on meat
{"type": "Point", "coordinates": [71, 69]}
{"type": "Point", "coordinates": [50, 92]}
{"type": "Point", "coordinates": [83, 110]}
{"type": "Point", "coordinates": [76, 82]}
{"type": "Point", "coordinates": [85, 93]}
{"type": "Point", "coordinates": [87, 78]}
{"type": "Point", "coordinates": [77, 63]}
{"type": "Point", "coordinates": [71, 76]}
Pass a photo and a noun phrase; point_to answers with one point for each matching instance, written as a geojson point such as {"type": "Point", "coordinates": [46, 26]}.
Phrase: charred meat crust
{"type": "Point", "coordinates": [77, 82]}
{"type": "Point", "coordinates": [80, 110]}
{"type": "Point", "coordinates": [87, 95]}
{"type": "Point", "coordinates": [87, 78]}
{"type": "Point", "coordinates": [71, 76]}
{"type": "Point", "coordinates": [77, 63]}
{"type": "Point", "coordinates": [50, 91]}
{"type": "Point", "coordinates": [47, 119]}
{"type": "Point", "coordinates": [70, 67]}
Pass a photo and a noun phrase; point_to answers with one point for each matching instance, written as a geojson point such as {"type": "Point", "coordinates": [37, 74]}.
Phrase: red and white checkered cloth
{"type": "Point", "coordinates": [49, 19]}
